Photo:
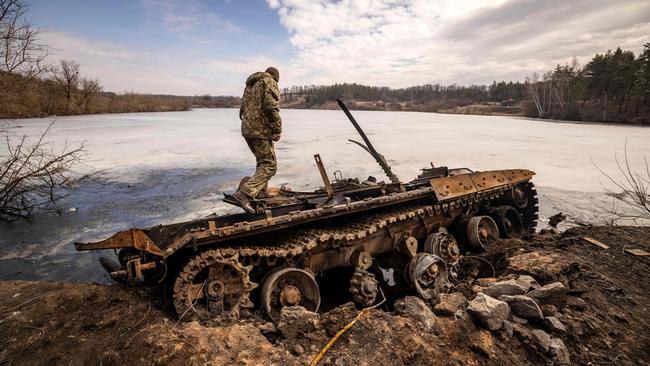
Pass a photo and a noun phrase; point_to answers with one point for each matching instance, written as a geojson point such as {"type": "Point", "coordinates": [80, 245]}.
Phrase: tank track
{"type": "Point", "coordinates": [530, 213]}
{"type": "Point", "coordinates": [237, 257]}
{"type": "Point", "coordinates": [302, 241]}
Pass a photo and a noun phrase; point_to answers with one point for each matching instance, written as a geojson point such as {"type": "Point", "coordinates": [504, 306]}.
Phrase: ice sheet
{"type": "Point", "coordinates": [166, 167]}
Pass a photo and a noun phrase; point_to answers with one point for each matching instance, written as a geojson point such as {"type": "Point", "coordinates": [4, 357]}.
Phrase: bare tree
{"type": "Point", "coordinates": [68, 79]}
{"type": "Point", "coordinates": [635, 189]}
{"type": "Point", "coordinates": [540, 92]}
{"type": "Point", "coordinates": [34, 175]}
{"type": "Point", "coordinates": [20, 49]}
{"type": "Point", "coordinates": [89, 89]}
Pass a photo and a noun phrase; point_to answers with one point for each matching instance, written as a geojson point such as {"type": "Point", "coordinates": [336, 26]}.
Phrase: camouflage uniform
{"type": "Point", "coordinates": [260, 121]}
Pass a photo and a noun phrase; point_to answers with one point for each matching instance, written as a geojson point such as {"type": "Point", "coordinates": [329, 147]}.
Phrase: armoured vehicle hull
{"type": "Point", "coordinates": [217, 265]}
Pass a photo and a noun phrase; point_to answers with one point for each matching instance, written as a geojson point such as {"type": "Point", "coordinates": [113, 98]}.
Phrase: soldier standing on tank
{"type": "Point", "coordinates": [261, 126]}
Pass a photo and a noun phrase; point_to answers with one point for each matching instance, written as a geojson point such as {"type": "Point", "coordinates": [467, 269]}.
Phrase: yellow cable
{"type": "Point", "coordinates": [345, 329]}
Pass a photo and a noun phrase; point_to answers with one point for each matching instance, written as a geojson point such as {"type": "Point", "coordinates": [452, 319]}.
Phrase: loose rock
{"type": "Point", "coordinates": [556, 219]}
{"type": "Point", "coordinates": [558, 352]}
{"type": "Point", "coordinates": [296, 320]}
{"type": "Point", "coordinates": [489, 311]}
{"type": "Point", "coordinates": [554, 324]}
{"type": "Point", "coordinates": [297, 349]}
{"type": "Point", "coordinates": [335, 319]}
{"type": "Point", "coordinates": [548, 309]}
{"type": "Point", "coordinates": [416, 309]}
{"type": "Point", "coordinates": [449, 304]}
{"type": "Point", "coordinates": [267, 327]}
{"type": "Point", "coordinates": [529, 282]}
{"type": "Point", "coordinates": [506, 330]}
{"type": "Point", "coordinates": [483, 342]}
{"type": "Point", "coordinates": [523, 306]}
{"type": "Point", "coordinates": [519, 320]}
{"type": "Point", "coordinates": [541, 339]}
{"type": "Point", "coordinates": [553, 293]}
{"type": "Point", "coordinates": [535, 339]}
{"type": "Point", "coordinates": [509, 287]}
{"type": "Point", "coordinates": [576, 303]}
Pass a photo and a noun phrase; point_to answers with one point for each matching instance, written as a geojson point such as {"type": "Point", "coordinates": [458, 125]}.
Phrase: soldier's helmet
{"type": "Point", "coordinates": [274, 72]}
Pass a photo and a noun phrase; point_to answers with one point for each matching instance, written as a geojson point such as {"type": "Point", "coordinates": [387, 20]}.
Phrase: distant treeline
{"type": "Point", "coordinates": [210, 101]}
{"type": "Point", "coordinates": [612, 87]}
{"type": "Point", "coordinates": [62, 90]}
{"type": "Point", "coordinates": [427, 98]}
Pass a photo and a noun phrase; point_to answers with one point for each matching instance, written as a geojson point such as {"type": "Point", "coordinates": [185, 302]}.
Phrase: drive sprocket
{"type": "Point", "coordinates": [364, 287]}
{"type": "Point", "coordinates": [212, 285]}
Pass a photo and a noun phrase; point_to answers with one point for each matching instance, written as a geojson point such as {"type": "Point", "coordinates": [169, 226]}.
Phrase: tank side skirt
{"type": "Point", "coordinates": [212, 234]}
{"type": "Point", "coordinates": [250, 228]}
{"type": "Point", "coordinates": [333, 246]}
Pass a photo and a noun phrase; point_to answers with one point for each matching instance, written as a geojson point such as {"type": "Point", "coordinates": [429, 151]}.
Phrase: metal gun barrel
{"type": "Point", "coordinates": [368, 147]}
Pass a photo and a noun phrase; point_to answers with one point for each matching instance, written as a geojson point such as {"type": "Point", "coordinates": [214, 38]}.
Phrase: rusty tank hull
{"type": "Point", "coordinates": [220, 264]}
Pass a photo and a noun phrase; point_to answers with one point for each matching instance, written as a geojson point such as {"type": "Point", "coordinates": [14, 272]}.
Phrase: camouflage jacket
{"type": "Point", "coordinates": [260, 107]}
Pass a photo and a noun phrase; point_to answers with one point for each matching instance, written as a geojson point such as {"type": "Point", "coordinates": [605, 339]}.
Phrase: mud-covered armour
{"type": "Point", "coordinates": [260, 107]}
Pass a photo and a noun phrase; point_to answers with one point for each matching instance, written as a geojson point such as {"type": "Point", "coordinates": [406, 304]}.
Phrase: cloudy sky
{"type": "Point", "coordinates": [193, 47]}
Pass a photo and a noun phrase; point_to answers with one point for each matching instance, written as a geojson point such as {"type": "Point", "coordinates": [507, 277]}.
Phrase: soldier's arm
{"type": "Point", "coordinates": [271, 106]}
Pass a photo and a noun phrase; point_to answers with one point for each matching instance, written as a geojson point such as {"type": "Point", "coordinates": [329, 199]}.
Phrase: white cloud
{"type": "Point", "coordinates": [185, 16]}
{"type": "Point", "coordinates": [400, 43]}
{"type": "Point", "coordinates": [393, 43]}
{"type": "Point", "coordinates": [121, 69]}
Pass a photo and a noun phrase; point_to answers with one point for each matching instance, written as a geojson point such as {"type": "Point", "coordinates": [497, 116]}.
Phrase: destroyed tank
{"type": "Point", "coordinates": [415, 231]}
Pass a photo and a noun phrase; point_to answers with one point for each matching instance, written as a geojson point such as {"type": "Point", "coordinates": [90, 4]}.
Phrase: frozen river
{"type": "Point", "coordinates": [164, 167]}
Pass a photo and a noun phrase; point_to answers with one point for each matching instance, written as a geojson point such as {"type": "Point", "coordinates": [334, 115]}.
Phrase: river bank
{"type": "Point", "coordinates": [476, 109]}
{"type": "Point", "coordinates": [603, 318]}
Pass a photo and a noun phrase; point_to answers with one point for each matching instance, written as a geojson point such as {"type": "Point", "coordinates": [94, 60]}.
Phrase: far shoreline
{"type": "Point", "coordinates": [515, 116]}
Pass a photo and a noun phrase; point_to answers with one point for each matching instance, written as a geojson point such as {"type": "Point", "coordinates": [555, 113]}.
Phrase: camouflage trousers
{"type": "Point", "coordinates": [266, 166]}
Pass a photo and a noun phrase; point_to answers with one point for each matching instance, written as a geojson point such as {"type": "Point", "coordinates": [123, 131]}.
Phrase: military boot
{"type": "Point", "coordinates": [244, 202]}
{"type": "Point", "coordinates": [265, 193]}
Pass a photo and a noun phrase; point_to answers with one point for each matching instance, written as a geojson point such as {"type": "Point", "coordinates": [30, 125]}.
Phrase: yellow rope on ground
{"type": "Point", "coordinates": [345, 329]}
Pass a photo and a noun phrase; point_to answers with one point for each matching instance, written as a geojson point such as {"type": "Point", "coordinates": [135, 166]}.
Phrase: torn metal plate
{"type": "Point", "coordinates": [447, 188]}
{"type": "Point", "coordinates": [488, 180]}
{"type": "Point", "coordinates": [517, 175]}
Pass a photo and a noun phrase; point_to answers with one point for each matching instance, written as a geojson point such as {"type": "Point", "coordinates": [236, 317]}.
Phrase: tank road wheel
{"type": "Point", "coordinates": [211, 285]}
{"type": "Point", "coordinates": [444, 246]}
{"type": "Point", "coordinates": [508, 221]}
{"type": "Point", "coordinates": [289, 287]}
{"type": "Point", "coordinates": [427, 273]}
{"type": "Point", "coordinates": [363, 287]}
{"type": "Point", "coordinates": [517, 197]}
{"type": "Point", "coordinates": [481, 231]}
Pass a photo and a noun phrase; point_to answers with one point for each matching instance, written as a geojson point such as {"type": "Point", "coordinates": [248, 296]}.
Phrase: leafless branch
{"type": "Point", "coordinates": [20, 49]}
{"type": "Point", "coordinates": [35, 175]}
{"type": "Point", "coordinates": [634, 189]}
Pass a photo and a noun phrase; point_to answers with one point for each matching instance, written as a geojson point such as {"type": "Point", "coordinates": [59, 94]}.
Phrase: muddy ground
{"type": "Point", "coordinates": [605, 314]}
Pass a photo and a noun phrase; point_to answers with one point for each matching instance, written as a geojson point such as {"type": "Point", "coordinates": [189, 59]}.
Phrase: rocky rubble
{"type": "Point", "coordinates": [515, 298]}
{"type": "Point", "coordinates": [557, 303]}
{"type": "Point", "coordinates": [416, 309]}
{"type": "Point", "coordinates": [488, 311]}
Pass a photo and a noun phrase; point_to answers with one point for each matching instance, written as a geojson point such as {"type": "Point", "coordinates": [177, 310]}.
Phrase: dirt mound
{"type": "Point", "coordinates": [590, 306]}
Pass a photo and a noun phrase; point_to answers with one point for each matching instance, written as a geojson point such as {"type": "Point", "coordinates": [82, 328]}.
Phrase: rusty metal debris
{"type": "Point", "coordinates": [595, 242]}
{"type": "Point", "coordinates": [364, 287]}
{"type": "Point", "coordinates": [637, 252]}
{"type": "Point", "coordinates": [218, 265]}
